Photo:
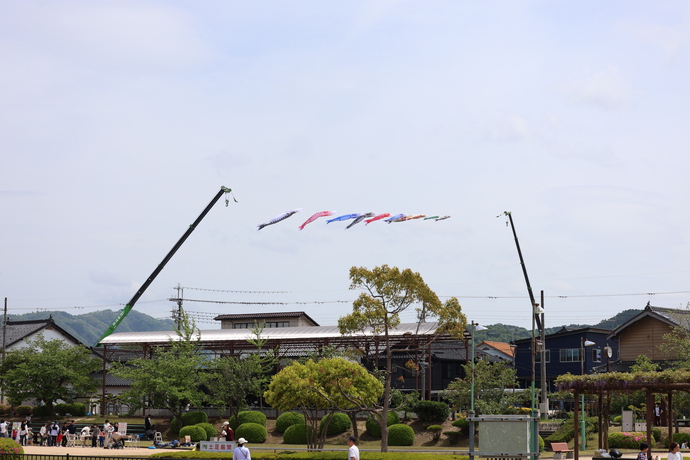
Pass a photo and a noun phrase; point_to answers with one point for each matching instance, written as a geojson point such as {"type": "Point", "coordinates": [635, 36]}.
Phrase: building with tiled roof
{"type": "Point", "coordinates": [501, 350]}
{"type": "Point", "coordinates": [268, 320]}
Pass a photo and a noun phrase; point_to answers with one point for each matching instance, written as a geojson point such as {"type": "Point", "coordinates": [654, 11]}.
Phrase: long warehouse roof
{"type": "Point", "coordinates": [277, 333]}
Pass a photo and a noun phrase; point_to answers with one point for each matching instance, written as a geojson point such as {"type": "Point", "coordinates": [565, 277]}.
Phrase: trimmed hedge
{"type": "Point", "coordinates": [252, 432]}
{"type": "Point", "coordinates": [251, 416]}
{"type": "Point", "coordinates": [40, 411]}
{"type": "Point", "coordinates": [431, 411]}
{"type": "Point", "coordinates": [210, 430]}
{"type": "Point", "coordinates": [400, 435]}
{"type": "Point", "coordinates": [11, 449]}
{"type": "Point", "coordinates": [195, 432]}
{"type": "Point", "coordinates": [462, 424]}
{"type": "Point", "coordinates": [295, 434]}
{"type": "Point", "coordinates": [373, 427]}
{"type": "Point", "coordinates": [435, 431]}
{"type": "Point", "coordinates": [188, 418]}
{"type": "Point", "coordinates": [287, 419]}
{"type": "Point", "coordinates": [339, 423]}
{"type": "Point", "coordinates": [23, 410]}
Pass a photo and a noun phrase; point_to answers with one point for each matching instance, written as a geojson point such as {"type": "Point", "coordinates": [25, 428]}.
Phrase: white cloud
{"type": "Point", "coordinates": [606, 89]}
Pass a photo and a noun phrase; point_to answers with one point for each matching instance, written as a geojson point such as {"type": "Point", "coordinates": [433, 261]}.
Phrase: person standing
{"type": "Point", "coordinates": [3, 429]}
{"type": "Point", "coordinates": [22, 433]}
{"type": "Point", "coordinates": [241, 452]}
{"type": "Point", "coordinates": [353, 451]}
{"type": "Point", "coordinates": [54, 433]}
{"type": "Point", "coordinates": [147, 423]}
{"type": "Point", "coordinates": [43, 433]}
{"type": "Point", "coordinates": [657, 414]}
{"type": "Point", "coordinates": [94, 435]}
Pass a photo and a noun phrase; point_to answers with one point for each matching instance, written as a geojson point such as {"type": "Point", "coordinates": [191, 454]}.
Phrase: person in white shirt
{"type": "Point", "coordinates": [241, 452]}
{"type": "Point", "coordinates": [353, 451]}
{"type": "Point", "coordinates": [673, 452]}
{"type": "Point", "coordinates": [3, 429]}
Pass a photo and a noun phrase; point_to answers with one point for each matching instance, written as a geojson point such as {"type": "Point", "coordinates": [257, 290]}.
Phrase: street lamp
{"type": "Point", "coordinates": [583, 343]}
{"type": "Point", "coordinates": [475, 327]}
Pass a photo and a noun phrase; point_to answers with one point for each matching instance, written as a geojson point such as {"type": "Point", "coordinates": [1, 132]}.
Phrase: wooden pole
{"type": "Point", "coordinates": [576, 425]}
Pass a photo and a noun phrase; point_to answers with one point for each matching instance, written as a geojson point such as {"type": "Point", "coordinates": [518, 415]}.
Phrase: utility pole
{"type": "Point", "coordinates": [544, 409]}
{"type": "Point", "coordinates": [4, 343]}
{"type": "Point", "coordinates": [177, 314]}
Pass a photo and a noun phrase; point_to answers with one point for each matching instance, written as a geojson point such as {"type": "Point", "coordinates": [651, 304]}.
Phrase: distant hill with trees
{"type": "Point", "coordinates": [89, 327]}
{"type": "Point", "coordinates": [505, 333]}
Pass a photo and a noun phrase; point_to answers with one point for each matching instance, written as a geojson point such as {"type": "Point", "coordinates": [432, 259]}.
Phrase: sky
{"type": "Point", "coordinates": [120, 121]}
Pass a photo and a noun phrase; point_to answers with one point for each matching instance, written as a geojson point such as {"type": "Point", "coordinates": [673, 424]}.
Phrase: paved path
{"type": "Point", "coordinates": [93, 451]}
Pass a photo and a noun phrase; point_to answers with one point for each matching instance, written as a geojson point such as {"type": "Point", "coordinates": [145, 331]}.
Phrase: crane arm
{"type": "Point", "coordinates": [159, 268]}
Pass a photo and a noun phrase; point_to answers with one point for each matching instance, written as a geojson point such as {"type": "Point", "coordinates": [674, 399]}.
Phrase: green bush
{"type": "Point", "coordinates": [10, 449]}
{"type": "Point", "coordinates": [626, 440]}
{"type": "Point", "coordinates": [77, 409]}
{"type": "Point", "coordinates": [656, 434]}
{"type": "Point", "coordinates": [295, 434]}
{"type": "Point", "coordinates": [23, 410]}
{"type": "Point", "coordinates": [400, 435]}
{"type": "Point", "coordinates": [61, 409]}
{"type": "Point", "coordinates": [680, 438]}
{"type": "Point", "coordinates": [541, 444]}
{"type": "Point", "coordinates": [435, 431]}
{"type": "Point", "coordinates": [40, 411]}
{"type": "Point", "coordinates": [209, 429]}
{"type": "Point", "coordinates": [462, 424]}
{"type": "Point", "coordinates": [195, 432]}
{"type": "Point", "coordinates": [252, 432]}
{"type": "Point", "coordinates": [339, 423]}
{"type": "Point", "coordinates": [4, 409]}
{"type": "Point", "coordinates": [431, 411]}
{"type": "Point", "coordinates": [287, 419]}
{"type": "Point", "coordinates": [251, 416]}
{"type": "Point", "coordinates": [618, 419]}
{"type": "Point", "coordinates": [565, 432]}
{"type": "Point", "coordinates": [373, 427]}
{"type": "Point", "coordinates": [453, 436]}
{"type": "Point", "coordinates": [188, 418]}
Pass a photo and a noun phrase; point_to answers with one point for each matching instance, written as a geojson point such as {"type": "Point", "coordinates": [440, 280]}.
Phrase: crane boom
{"type": "Point", "coordinates": [167, 258]}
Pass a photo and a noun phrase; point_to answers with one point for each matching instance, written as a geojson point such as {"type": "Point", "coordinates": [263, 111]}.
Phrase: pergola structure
{"type": "Point", "coordinates": [413, 339]}
{"type": "Point", "coordinates": [664, 382]}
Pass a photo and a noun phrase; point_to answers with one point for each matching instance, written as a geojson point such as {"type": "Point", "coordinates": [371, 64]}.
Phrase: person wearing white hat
{"type": "Point", "coordinates": [241, 452]}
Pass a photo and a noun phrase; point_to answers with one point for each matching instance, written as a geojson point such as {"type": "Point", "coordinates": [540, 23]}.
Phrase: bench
{"type": "Point", "coordinates": [559, 448]}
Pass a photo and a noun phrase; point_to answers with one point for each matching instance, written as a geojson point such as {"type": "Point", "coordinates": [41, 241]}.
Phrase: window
{"type": "Point", "coordinates": [596, 355]}
{"type": "Point", "coordinates": [266, 324]}
{"type": "Point", "coordinates": [547, 357]}
{"type": "Point", "coordinates": [570, 355]}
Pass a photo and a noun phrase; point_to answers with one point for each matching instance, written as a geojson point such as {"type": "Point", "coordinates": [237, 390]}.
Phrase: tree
{"type": "Point", "coordinates": [235, 380]}
{"type": "Point", "coordinates": [387, 293]}
{"type": "Point", "coordinates": [172, 378]}
{"type": "Point", "coordinates": [326, 385]}
{"type": "Point", "coordinates": [492, 388]}
{"type": "Point", "coordinates": [48, 371]}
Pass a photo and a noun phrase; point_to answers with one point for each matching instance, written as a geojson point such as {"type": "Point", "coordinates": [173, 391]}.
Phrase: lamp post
{"type": "Point", "coordinates": [475, 327]}
{"type": "Point", "coordinates": [583, 343]}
